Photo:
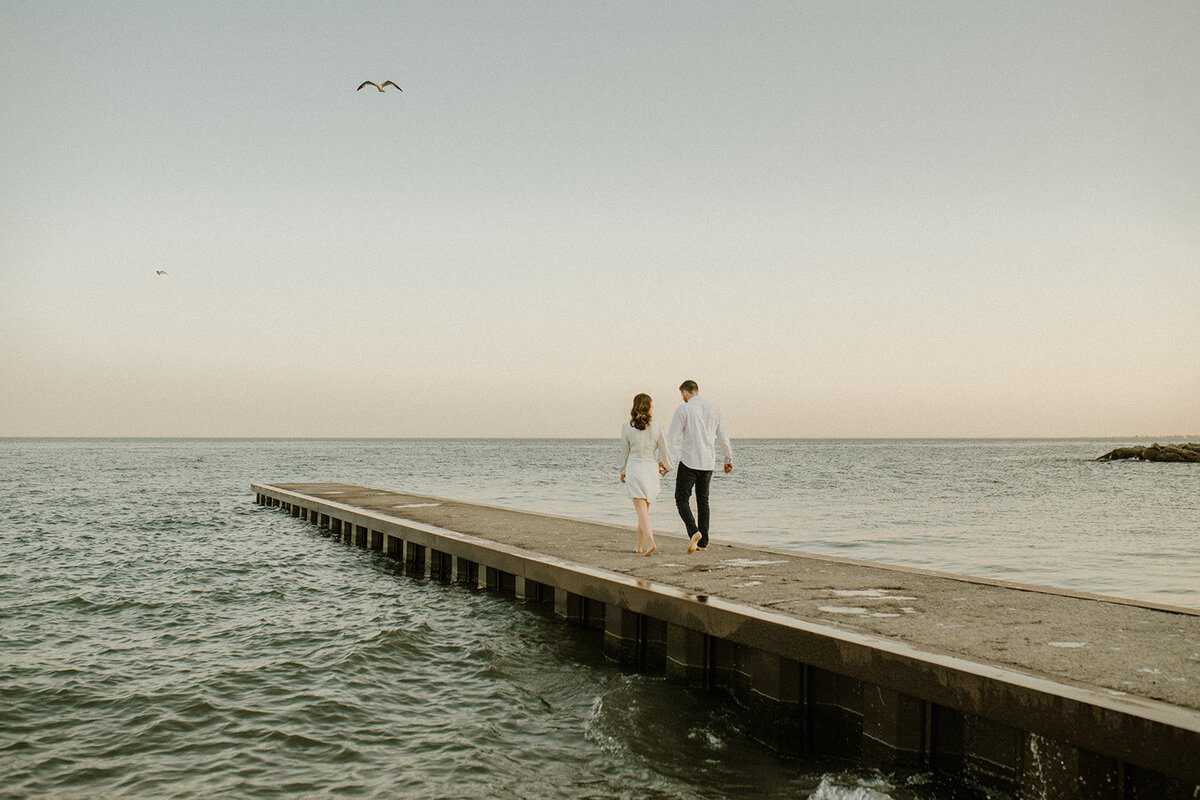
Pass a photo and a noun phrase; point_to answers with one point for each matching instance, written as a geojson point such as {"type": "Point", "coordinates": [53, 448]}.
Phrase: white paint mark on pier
{"type": "Point", "coordinates": [871, 594]}
{"type": "Point", "coordinates": [1067, 644]}
{"type": "Point", "coordinates": [416, 505]}
{"type": "Point", "coordinates": [842, 609]}
{"type": "Point", "coordinates": [748, 583]}
{"type": "Point", "coordinates": [749, 562]}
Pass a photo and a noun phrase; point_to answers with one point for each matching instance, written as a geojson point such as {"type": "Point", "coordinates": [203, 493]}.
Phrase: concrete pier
{"type": "Point", "coordinates": [1022, 691]}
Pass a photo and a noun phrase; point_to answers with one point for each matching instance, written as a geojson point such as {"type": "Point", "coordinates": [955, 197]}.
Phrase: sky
{"type": "Point", "coordinates": [842, 219]}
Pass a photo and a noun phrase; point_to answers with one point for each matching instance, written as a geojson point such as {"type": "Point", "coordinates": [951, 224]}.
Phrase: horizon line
{"type": "Point", "coordinates": [605, 438]}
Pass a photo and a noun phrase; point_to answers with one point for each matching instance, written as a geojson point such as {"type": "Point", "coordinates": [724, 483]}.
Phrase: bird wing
{"type": "Point", "coordinates": [368, 83]}
{"type": "Point", "coordinates": [160, 272]}
{"type": "Point", "coordinates": [390, 83]}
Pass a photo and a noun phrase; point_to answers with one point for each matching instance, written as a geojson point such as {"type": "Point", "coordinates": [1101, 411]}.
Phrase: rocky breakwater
{"type": "Point", "coordinates": [1189, 451]}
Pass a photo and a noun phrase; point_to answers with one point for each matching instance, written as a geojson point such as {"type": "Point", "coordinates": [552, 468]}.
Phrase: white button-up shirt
{"type": "Point", "coordinates": [698, 422]}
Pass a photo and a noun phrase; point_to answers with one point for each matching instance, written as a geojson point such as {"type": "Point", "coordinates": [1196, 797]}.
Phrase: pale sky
{"type": "Point", "coordinates": [841, 219]}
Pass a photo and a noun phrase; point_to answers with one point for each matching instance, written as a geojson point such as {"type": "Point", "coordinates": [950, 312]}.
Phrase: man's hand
{"type": "Point", "coordinates": [662, 468]}
{"type": "Point", "coordinates": [622, 477]}
{"type": "Point", "coordinates": [728, 468]}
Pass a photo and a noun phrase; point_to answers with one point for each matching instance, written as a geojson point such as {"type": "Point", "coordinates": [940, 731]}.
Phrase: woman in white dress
{"type": "Point", "coordinates": [640, 469]}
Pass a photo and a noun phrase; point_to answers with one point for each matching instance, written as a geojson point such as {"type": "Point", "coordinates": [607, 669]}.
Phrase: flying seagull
{"type": "Point", "coordinates": [377, 86]}
{"type": "Point", "coordinates": [160, 272]}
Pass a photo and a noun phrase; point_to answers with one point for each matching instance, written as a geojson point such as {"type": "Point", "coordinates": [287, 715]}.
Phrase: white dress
{"type": "Point", "coordinates": [639, 464]}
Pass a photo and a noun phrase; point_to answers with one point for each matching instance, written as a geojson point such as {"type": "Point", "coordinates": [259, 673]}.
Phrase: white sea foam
{"type": "Point", "coordinates": [839, 787]}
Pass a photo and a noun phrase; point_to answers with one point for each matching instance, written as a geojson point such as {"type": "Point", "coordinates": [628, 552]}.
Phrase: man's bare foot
{"type": "Point", "coordinates": [694, 543]}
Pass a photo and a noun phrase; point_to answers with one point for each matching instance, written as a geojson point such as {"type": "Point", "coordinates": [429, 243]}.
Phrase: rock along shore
{"type": "Point", "coordinates": [1189, 451]}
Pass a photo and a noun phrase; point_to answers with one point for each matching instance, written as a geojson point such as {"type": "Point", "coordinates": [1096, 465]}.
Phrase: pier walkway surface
{"type": "Point", "coordinates": [1113, 658]}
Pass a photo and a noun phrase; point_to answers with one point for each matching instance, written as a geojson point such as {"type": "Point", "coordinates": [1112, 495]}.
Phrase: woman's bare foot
{"type": "Point", "coordinates": [650, 552]}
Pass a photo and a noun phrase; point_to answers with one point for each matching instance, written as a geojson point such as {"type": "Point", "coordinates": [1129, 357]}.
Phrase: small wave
{"type": "Point", "coordinates": [594, 730]}
{"type": "Point", "coordinates": [845, 787]}
{"type": "Point", "coordinates": [706, 738]}
{"type": "Point", "coordinates": [300, 741]}
{"type": "Point", "coordinates": [113, 606]}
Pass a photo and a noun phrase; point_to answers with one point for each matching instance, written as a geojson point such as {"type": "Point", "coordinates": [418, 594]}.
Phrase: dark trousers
{"type": "Point", "coordinates": [686, 480]}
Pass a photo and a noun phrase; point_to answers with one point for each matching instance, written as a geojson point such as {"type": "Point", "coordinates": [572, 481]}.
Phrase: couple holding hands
{"type": "Point", "coordinates": [697, 424]}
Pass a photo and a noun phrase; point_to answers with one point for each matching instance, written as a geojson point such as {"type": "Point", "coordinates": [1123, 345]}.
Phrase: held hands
{"type": "Point", "coordinates": [728, 468]}
{"type": "Point", "coordinates": [662, 470]}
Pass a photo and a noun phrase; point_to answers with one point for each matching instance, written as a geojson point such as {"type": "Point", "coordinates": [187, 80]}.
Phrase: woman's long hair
{"type": "Point", "coordinates": [639, 416]}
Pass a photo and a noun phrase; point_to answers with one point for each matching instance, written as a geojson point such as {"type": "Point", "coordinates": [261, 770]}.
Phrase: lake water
{"type": "Point", "coordinates": [162, 636]}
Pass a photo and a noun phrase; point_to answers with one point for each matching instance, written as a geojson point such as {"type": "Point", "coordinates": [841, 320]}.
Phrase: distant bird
{"type": "Point", "coordinates": [377, 86]}
{"type": "Point", "coordinates": [160, 272]}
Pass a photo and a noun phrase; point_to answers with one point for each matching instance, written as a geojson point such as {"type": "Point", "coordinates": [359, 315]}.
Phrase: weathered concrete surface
{"type": "Point", "coordinates": [1124, 647]}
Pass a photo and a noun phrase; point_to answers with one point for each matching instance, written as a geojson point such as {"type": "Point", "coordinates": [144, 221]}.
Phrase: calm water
{"type": "Point", "coordinates": [162, 636]}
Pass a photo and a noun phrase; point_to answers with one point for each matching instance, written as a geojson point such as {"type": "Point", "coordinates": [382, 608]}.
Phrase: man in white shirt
{"type": "Point", "coordinates": [698, 423]}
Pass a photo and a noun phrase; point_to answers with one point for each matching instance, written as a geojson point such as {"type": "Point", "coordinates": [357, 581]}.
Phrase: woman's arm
{"type": "Point", "coordinates": [624, 451]}
{"type": "Point", "coordinates": [664, 451]}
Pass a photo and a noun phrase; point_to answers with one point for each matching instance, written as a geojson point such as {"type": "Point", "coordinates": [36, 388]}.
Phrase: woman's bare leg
{"type": "Point", "coordinates": [637, 509]}
{"type": "Point", "coordinates": [645, 532]}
